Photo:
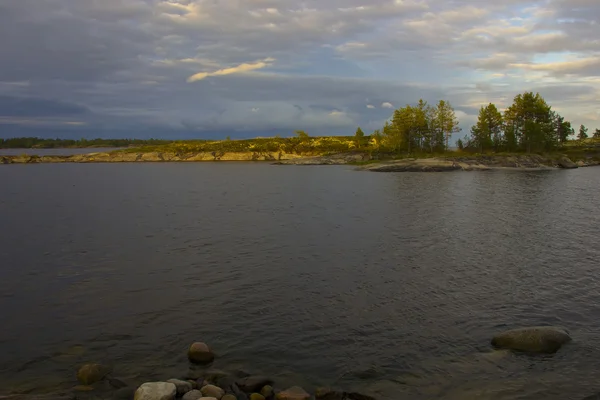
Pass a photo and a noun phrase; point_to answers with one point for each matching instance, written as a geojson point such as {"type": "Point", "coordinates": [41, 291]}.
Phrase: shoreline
{"type": "Point", "coordinates": [363, 160]}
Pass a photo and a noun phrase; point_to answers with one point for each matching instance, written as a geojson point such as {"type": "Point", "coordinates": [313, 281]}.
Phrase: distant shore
{"type": "Point", "coordinates": [364, 160]}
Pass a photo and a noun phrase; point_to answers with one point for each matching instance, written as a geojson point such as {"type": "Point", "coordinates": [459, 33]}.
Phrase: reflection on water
{"type": "Point", "coordinates": [390, 284]}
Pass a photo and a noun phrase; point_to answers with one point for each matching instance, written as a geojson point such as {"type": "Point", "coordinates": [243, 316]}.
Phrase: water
{"type": "Point", "coordinates": [390, 284]}
{"type": "Point", "coordinates": [56, 152]}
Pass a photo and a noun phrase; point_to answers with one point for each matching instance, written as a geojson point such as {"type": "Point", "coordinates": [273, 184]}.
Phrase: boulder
{"type": "Point", "coordinates": [565, 162]}
{"type": "Point", "coordinates": [92, 373]}
{"type": "Point", "coordinates": [253, 384]}
{"type": "Point", "coordinates": [537, 339]}
{"type": "Point", "coordinates": [212, 391]}
{"type": "Point", "coordinates": [293, 393]}
{"type": "Point", "coordinates": [192, 395]}
{"type": "Point", "coordinates": [267, 391]}
{"type": "Point", "coordinates": [182, 386]}
{"type": "Point", "coordinates": [156, 391]}
{"type": "Point", "coordinates": [208, 398]}
{"type": "Point", "coordinates": [229, 397]}
{"type": "Point", "coordinates": [200, 353]}
{"type": "Point", "coordinates": [257, 396]}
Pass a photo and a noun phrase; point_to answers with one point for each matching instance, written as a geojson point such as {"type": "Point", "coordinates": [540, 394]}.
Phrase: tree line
{"type": "Point", "coordinates": [528, 125]}
{"type": "Point", "coordinates": [35, 142]}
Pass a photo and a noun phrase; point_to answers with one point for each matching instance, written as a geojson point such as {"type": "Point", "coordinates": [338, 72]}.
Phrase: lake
{"type": "Point", "coordinates": [389, 284]}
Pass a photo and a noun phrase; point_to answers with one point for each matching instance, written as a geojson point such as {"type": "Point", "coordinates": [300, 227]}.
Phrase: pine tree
{"type": "Point", "coordinates": [597, 134]}
{"type": "Point", "coordinates": [359, 137]}
{"type": "Point", "coordinates": [582, 132]}
{"type": "Point", "coordinates": [487, 132]}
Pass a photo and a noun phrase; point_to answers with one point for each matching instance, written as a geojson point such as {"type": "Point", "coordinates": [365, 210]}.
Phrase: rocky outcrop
{"type": "Point", "coordinates": [120, 156]}
{"type": "Point", "coordinates": [156, 391]}
{"type": "Point", "coordinates": [200, 353]}
{"type": "Point", "coordinates": [537, 339]}
{"type": "Point", "coordinates": [334, 159]}
{"type": "Point", "coordinates": [89, 374]}
{"type": "Point", "coordinates": [475, 163]}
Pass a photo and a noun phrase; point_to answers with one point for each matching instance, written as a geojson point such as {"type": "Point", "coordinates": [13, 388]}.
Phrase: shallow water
{"type": "Point", "coordinates": [390, 284]}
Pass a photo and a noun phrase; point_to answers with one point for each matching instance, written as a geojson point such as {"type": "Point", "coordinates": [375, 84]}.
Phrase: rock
{"type": "Point", "coordinates": [229, 397]}
{"type": "Point", "coordinates": [253, 384]}
{"type": "Point", "coordinates": [192, 395]}
{"type": "Point", "coordinates": [537, 339]}
{"type": "Point", "coordinates": [116, 382]}
{"type": "Point", "coordinates": [201, 382]}
{"type": "Point", "coordinates": [267, 391]}
{"type": "Point", "coordinates": [92, 373]}
{"type": "Point", "coordinates": [293, 393]}
{"type": "Point", "coordinates": [200, 353]}
{"type": "Point", "coordinates": [182, 386]}
{"type": "Point", "coordinates": [208, 398]}
{"type": "Point", "coordinates": [565, 162]}
{"type": "Point", "coordinates": [257, 396]}
{"type": "Point", "coordinates": [156, 391]}
{"type": "Point", "coordinates": [212, 391]}
{"type": "Point", "coordinates": [415, 165]}
{"type": "Point", "coordinates": [193, 383]}
{"type": "Point", "coordinates": [358, 396]}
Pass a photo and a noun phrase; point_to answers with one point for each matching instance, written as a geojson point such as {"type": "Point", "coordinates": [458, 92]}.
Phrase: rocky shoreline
{"type": "Point", "coordinates": [203, 382]}
{"type": "Point", "coordinates": [433, 164]}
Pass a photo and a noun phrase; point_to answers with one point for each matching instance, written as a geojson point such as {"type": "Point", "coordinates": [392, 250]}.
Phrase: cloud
{"type": "Point", "coordinates": [123, 67]}
{"type": "Point", "coordinates": [246, 67]}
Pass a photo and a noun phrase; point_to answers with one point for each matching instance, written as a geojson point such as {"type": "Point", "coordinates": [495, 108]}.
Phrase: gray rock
{"type": "Point", "coordinates": [212, 391]}
{"type": "Point", "coordinates": [92, 373]}
{"type": "Point", "coordinates": [192, 395]}
{"type": "Point", "coordinates": [182, 386]}
{"type": "Point", "coordinates": [565, 162]}
{"type": "Point", "coordinates": [537, 339]}
{"type": "Point", "coordinates": [253, 384]}
{"type": "Point", "coordinates": [156, 391]}
{"type": "Point", "coordinates": [200, 353]}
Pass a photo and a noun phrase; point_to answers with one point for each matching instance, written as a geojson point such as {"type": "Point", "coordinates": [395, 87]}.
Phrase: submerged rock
{"type": "Point", "coordinates": [257, 396]}
{"type": "Point", "coordinates": [293, 393]}
{"type": "Point", "coordinates": [92, 373]}
{"type": "Point", "coordinates": [200, 353]}
{"type": "Point", "coordinates": [126, 393]}
{"type": "Point", "coordinates": [116, 382]}
{"type": "Point", "coordinates": [156, 391]}
{"type": "Point", "coordinates": [538, 339]}
{"type": "Point", "coordinates": [212, 391]}
{"type": "Point", "coordinates": [253, 384]}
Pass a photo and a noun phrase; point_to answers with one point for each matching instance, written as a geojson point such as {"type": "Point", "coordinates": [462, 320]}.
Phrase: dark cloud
{"type": "Point", "coordinates": [37, 107]}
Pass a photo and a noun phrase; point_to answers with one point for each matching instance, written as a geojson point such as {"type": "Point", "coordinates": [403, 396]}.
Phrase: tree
{"type": "Point", "coordinates": [303, 136]}
{"type": "Point", "coordinates": [442, 123]}
{"type": "Point", "coordinates": [359, 137]}
{"type": "Point", "coordinates": [597, 134]}
{"type": "Point", "coordinates": [529, 123]}
{"type": "Point", "coordinates": [487, 132]}
{"type": "Point", "coordinates": [564, 129]}
{"type": "Point", "coordinates": [582, 132]}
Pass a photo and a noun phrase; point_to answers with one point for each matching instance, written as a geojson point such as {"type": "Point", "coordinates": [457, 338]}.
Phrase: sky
{"type": "Point", "coordinates": [244, 68]}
